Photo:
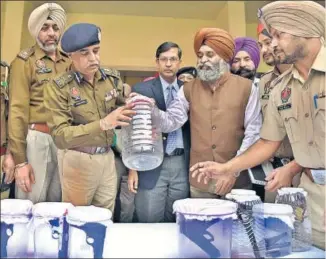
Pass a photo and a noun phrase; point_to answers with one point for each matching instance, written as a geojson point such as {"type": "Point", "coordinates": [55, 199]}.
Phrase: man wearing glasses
{"type": "Point", "coordinates": [157, 189]}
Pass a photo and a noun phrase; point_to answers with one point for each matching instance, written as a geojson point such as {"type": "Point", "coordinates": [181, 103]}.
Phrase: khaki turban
{"type": "Point", "coordinates": [299, 18]}
{"type": "Point", "coordinates": [39, 16]}
{"type": "Point", "coordinates": [219, 40]}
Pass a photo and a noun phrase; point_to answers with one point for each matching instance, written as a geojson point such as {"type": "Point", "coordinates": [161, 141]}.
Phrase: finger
{"type": "Point", "coordinates": [196, 166]}
{"type": "Point", "coordinates": [272, 186]}
{"type": "Point", "coordinates": [128, 112]}
{"type": "Point", "coordinates": [122, 123]}
{"type": "Point", "coordinates": [218, 186]}
{"type": "Point", "coordinates": [200, 177]}
{"type": "Point", "coordinates": [271, 175]}
{"type": "Point", "coordinates": [32, 176]}
{"type": "Point", "coordinates": [133, 94]}
{"type": "Point", "coordinates": [129, 184]}
{"type": "Point", "coordinates": [22, 185]}
{"type": "Point", "coordinates": [206, 179]}
{"type": "Point", "coordinates": [124, 118]}
{"type": "Point", "coordinates": [9, 176]}
{"type": "Point", "coordinates": [136, 184]}
{"type": "Point", "coordinates": [195, 173]}
{"type": "Point", "coordinates": [28, 184]}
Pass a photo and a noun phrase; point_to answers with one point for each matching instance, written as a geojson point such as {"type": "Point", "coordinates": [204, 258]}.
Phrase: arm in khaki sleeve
{"type": "Point", "coordinates": [65, 135]}
{"type": "Point", "coordinates": [273, 127]}
{"type": "Point", "coordinates": [19, 97]}
{"type": "Point", "coordinates": [252, 121]}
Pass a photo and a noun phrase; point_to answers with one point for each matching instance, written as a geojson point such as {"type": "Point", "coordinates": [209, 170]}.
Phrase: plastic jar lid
{"type": "Point", "coordinates": [242, 192]}
{"type": "Point", "coordinates": [205, 207]}
{"type": "Point", "coordinates": [88, 214]}
{"type": "Point", "coordinates": [51, 209]}
{"type": "Point", "coordinates": [16, 207]}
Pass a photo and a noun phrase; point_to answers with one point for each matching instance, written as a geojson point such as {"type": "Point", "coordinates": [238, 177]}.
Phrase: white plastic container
{"type": "Point", "coordinates": [205, 227]}
{"type": "Point", "coordinates": [88, 226]}
{"type": "Point", "coordinates": [302, 232]}
{"type": "Point", "coordinates": [15, 219]}
{"type": "Point", "coordinates": [277, 220]}
{"type": "Point", "coordinates": [142, 145]}
{"type": "Point", "coordinates": [50, 229]}
{"type": "Point", "coordinates": [247, 240]}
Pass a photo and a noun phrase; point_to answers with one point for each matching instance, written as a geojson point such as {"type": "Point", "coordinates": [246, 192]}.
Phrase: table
{"type": "Point", "coordinates": [158, 240]}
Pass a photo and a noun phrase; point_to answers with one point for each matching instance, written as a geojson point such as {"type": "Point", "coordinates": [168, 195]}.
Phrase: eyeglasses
{"type": "Point", "coordinates": [165, 60]}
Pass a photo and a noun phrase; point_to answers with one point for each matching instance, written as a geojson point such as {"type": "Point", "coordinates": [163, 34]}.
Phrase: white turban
{"type": "Point", "coordinates": [39, 16]}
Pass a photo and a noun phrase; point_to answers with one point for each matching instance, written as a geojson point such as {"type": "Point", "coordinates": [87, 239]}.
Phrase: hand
{"type": "Point", "coordinates": [133, 181]}
{"type": "Point", "coordinates": [224, 184]}
{"type": "Point", "coordinates": [278, 178]}
{"type": "Point", "coordinates": [25, 177]}
{"type": "Point", "coordinates": [208, 170]}
{"type": "Point", "coordinates": [126, 89]}
{"type": "Point", "coordinates": [119, 117]}
{"type": "Point", "coordinates": [8, 167]}
{"type": "Point", "coordinates": [145, 98]}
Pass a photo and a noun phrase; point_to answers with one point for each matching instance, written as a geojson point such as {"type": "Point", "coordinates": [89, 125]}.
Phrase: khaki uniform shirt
{"type": "Point", "coordinates": [265, 88]}
{"type": "Point", "coordinates": [297, 108]}
{"type": "Point", "coordinates": [30, 70]}
{"type": "Point", "coordinates": [76, 106]}
{"type": "Point", "coordinates": [3, 105]}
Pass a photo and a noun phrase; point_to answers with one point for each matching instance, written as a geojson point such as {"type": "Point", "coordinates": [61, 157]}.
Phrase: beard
{"type": "Point", "coordinates": [212, 72]}
{"type": "Point", "coordinates": [297, 54]}
{"type": "Point", "coordinates": [244, 72]}
{"type": "Point", "coordinates": [48, 48]}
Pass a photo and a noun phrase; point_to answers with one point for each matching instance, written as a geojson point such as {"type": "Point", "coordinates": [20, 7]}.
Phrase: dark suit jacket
{"type": "Point", "coordinates": [153, 89]}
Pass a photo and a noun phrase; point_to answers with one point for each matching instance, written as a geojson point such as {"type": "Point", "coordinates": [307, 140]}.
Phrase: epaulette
{"type": "Point", "coordinates": [63, 79]}
{"type": "Point", "coordinates": [111, 72]}
{"type": "Point", "coordinates": [4, 64]}
{"type": "Point", "coordinates": [26, 53]}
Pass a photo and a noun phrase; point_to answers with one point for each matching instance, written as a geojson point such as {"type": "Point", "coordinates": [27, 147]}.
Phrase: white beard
{"type": "Point", "coordinates": [214, 73]}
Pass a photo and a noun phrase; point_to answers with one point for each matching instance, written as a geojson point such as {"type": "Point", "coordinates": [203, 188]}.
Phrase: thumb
{"type": "Point", "coordinates": [271, 175]}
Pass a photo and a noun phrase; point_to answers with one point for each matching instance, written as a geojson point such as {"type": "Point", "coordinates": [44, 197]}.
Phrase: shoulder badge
{"type": "Point", "coordinates": [111, 72]}
{"type": "Point", "coordinates": [64, 79]}
{"type": "Point", "coordinates": [26, 53]}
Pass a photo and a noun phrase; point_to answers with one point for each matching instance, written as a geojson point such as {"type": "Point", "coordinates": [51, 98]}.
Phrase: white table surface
{"type": "Point", "coordinates": [138, 240]}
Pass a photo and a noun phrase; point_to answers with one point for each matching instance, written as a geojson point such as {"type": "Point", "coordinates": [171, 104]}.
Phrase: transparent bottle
{"type": "Point", "coordinates": [142, 145]}
{"type": "Point", "coordinates": [247, 240]}
{"type": "Point", "coordinates": [302, 232]}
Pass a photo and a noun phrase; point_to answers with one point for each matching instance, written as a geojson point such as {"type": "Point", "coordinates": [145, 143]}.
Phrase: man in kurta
{"type": "Point", "coordinates": [30, 142]}
{"type": "Point", "coordinates": [296, 105]}
{"type": "Point", "coordinates": [223, 109]}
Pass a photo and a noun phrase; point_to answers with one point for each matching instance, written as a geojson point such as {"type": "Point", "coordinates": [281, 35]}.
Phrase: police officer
{"type": "Point", "coordinates": [83, 109]}
{"type": "Point", "coordinates": [7, 162]}
{"type": "Point", "coordinates": [296, 106]}
{"type": "Point", "coordinates": [187, 74]}
{"type": "Point", "coordinates": [30, 143]}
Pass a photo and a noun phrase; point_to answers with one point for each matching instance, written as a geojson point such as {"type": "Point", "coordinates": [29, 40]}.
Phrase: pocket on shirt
{"type": "Point", "coordinates": [319, 117]}
{"type": "Point", "coordinates": [291, 124]}
{"type": "Point", "coordinates": [42, 79]}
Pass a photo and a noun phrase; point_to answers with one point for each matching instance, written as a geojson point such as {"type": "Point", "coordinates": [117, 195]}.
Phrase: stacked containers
{"type": "Point", "coordinates": [15, 217]}
{"type": "Point", "coordinates": [297, 199]}
{"type": "Point", "coordinates": [50, 229]}
{"type": "Point", "coordinates": [142, 146]}
{"type": "Point", "coordinates": [205, 227]}
{"type": "Point", "coordinates": [247, 235]}
{"type": "Point", "coordinates": [88, 227]}
{"type": "Point", "coordinates": [277, 220]}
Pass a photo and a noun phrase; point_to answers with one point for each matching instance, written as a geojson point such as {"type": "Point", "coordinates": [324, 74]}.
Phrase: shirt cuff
{"type": "Point", "coordinates": [19, 158]}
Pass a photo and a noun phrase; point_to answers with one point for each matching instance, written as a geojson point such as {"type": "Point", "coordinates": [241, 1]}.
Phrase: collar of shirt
{"type": "Point", "coordinates": [165, 85]}
{"type": "Point", "coordinates": [319, 65]}
{"type": "Point", "coordinates": [40, 54]}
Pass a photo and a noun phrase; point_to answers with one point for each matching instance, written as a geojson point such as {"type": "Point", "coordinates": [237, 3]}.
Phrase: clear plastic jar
{"type": "Point", "coordinates": [142, 145]}
{"type": "Point", "coordinates": [277, 220]}
{"type": "Point", "coordinates": [15, 217]}
{"type": "Point", "coordinates": [88, 227]}
{"type": "Point", "coordinates": [50, 229]}
{"type": "Point", "coordinates": [205, 227]}
{"type": "Point", "coordinates": [302, 232]}
{"type": "Point", "coordinates": [247, 237]}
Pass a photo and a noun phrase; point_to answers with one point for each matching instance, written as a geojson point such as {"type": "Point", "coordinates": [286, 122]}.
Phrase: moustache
{"type": "Point", "coordinates": [242, 71]}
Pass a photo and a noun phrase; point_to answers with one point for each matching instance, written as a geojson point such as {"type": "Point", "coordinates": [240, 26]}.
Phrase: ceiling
{"type": "Point", "coordinates": [205, 10]}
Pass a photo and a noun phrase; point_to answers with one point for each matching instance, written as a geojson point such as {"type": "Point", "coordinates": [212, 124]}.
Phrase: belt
{"type": "Point", "coordinates": [176, 152]}
{"type": "Point", "coordinates": [92, 150]}
{"type": "Point", "coordinates": [41, 127]}
{"type": "Point", "coordinates": [3, 150]}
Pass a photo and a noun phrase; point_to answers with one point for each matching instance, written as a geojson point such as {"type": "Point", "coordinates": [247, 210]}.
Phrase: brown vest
{"type": "Point", "coordinates": [217, 121]}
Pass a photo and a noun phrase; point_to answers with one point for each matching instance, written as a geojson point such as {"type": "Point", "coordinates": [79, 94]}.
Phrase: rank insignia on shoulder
{"type": "Point", "coordinates": [26, 53]}
{"type": "Point", "coordinates": [63, 80]}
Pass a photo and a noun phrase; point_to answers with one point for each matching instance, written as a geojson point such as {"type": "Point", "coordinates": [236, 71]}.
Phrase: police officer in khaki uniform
{"type": "Point", "coordinates": [7, 162]}
{"type": "Point", "coordinates": [296, 106]}
{"type": "Point", "coordinates": [31, 145]}
{"type": "Point", "coordinates": [284, 175]}
{"type": "Point", "coordinates": [83, 109]}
